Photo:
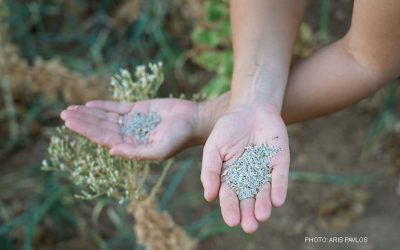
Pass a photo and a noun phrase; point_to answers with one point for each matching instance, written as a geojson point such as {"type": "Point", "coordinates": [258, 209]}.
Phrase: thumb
{"type": "Point", "coordinates": [211, 171]}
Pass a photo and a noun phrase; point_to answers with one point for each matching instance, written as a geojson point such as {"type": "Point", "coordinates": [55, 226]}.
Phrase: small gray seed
{"type": "Point", "coordinates": [139, 125]}
{"type": "Point", "coordinates": [251, 170]}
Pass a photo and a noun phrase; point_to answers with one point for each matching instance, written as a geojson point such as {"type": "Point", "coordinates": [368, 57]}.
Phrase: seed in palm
{"type": "Point", "coordinates": [251, 170]}
{"type": "Point", "coordinates": [139, 125]}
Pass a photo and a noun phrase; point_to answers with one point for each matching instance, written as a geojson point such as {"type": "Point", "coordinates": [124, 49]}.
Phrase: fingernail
{"type": "Point", "coordinates": [67, 124]}
{"type": "Point", "coordinates": [206, 195]}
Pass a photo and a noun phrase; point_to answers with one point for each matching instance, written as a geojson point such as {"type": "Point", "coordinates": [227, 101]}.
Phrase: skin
{"type": "Point", "coordinates": [355, 66]}
{"type": "Point", "coordinates": [263, 36]}
{"type": "Point", "coordinates": [98, 121]}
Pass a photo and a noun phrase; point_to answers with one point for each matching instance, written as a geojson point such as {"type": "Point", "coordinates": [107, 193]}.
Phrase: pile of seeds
{"type": "Point", "coordinates": [251, 170]}
{"type": "Point", "coordinates": [139, 125]}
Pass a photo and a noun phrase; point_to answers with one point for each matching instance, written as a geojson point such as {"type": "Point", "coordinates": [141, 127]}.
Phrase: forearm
{"type": "Point", "coordinates": [263, 34]}
{"type": "Point", "coordinates": [350, 69]}
{"type": "Point", "coordinates": [338, 75]}
{"type": "Point", "coordinates": [327, 81]}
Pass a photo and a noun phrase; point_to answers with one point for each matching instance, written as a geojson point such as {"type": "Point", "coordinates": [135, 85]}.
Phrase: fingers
{"type": "Point", "coordinates": [211, 171]}
{"type": "Point", "coordinates": [249, 222]}
{"type": "Point", "coordinates": [280, 175]}
{"type": "Point", "coordinates": [251, 211]}
{"type": "Point", "coordinates": [263, 204]}
{"type": "Point", "coordinates": [111, 106]}
{"type": "Point", "coordinates": [94, 132]}
{"type": "Point", "coordinates": [229, 206]}
{"type": "Point", "coordinates": [96, 112]}
{"type": "Point", "coordinates": [90, 120]}
{"type": "Point", "coordinates": [138, 151]}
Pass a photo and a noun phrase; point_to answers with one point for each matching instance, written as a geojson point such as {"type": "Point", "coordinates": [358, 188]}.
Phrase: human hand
{"type": "Point", "coordinates": [247, 124]}
{"type": "Point", "coordinates": [98, 121]}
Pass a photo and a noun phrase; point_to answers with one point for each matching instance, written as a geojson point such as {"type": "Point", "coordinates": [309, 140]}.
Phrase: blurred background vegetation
{"type": "Point", "coordinates": [58, 52]}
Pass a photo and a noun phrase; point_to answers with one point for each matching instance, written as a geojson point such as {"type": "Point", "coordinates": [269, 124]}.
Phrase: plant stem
{"type": "Point", "coordinates": [11, 112]}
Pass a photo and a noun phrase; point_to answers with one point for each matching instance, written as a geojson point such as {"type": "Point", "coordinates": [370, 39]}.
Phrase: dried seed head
{"type": "Point", "coordinates": [91, 166]}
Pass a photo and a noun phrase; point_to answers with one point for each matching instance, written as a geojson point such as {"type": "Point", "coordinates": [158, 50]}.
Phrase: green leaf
{"type": "Point", "coordinates": [12, 225]}
{"type": "Point", "coordinates": [185, 198]}
{"type": "Point", "coordinates": [226, 63]}
{"type": "Point", "coordinates": [224, 30]}
{"type": "Point", "coordinates": [209, 219]}
{"type": "Point", "coordinates": [216, 11]}
{"type": "Point", "coordinates": [205, 37]}
{"type": "Point", "coordinates": [217, 86]}
{"type": "Point", "coordinates": [209, 60]}
{"type": "Point", "coordinates": [217, 229]}
{"type": "Point", "coordinates": [39, 213]}
{"type": "Point", "coordinates": [329, 178]}
{"type": "Point", "coordinates": [171, 188]}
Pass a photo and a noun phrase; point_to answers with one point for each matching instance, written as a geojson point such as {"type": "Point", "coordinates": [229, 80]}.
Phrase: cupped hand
{"type": "Point", "coordinates": [98, 121]}
{"type": "Point", "coordinates": [248, 124]}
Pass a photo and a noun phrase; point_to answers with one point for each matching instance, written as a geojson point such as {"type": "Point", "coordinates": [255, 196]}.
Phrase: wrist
{"type": "Point", "coordinates": [263, 85]}
{"type": "Point", "coordinates": [255, 107]}
{"type": "Point", "coordinates": [208, 112]}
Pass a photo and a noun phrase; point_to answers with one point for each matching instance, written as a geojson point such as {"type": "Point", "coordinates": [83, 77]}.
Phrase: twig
{"type": "Point", "coordinates": [160, 179]}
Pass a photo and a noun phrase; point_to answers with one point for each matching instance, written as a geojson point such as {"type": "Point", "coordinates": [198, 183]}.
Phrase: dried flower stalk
{"type": "Point", "coordinates": [91, 166]}
{"type": "Point", "coordinates": [98, 173]}
{"type": "Point", "coordinates": [156, 229]}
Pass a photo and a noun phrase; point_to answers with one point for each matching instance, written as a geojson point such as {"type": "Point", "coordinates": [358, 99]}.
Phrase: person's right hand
{"type": "Point", "coordinates": [98, 121]}
{"type": "Point", "coordinates": [241, 126]}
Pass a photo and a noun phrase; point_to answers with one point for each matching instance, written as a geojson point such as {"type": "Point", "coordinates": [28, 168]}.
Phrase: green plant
{"type": "Point", "coordinates": [212, 46]}
{"type": "Point", "coordinates": [92, 36]}
{"type": "Point", "coordinates": [387, 121]}
{"type": "Point", "coordinates": [324, 19]}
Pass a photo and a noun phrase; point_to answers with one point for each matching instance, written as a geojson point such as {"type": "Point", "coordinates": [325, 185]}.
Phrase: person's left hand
{"type": "Point", "coordinates": [249, 124]}
{"type": "Point", "coordinates": [178, 129]}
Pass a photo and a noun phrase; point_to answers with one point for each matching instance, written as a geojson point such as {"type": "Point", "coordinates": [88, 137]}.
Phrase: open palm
{"type": "Point", "coordinates": [98, 121]}
{"type": "Point", "coordinates": [247, 125]}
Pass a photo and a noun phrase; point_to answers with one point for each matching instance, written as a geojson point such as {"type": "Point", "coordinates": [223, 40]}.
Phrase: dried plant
{"type": "Point", "coordinates": [145, 86]}
{"type": "Point", "coordinates": [185, 15]}
{"type": "Point", "coordinates": [49, 78]}
{"type": "Point", "coordinates": [98, 173]}
{"type": "Point", "coordinates": [91, 166]}
{"type": "Point", "coordinates": [157, 230]}
{"type": "Point", "coordinates": [47, 81]}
